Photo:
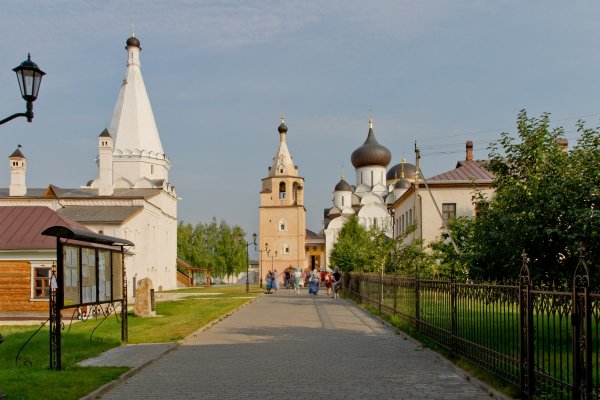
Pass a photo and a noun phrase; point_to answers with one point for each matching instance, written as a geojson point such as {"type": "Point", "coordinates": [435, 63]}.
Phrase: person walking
{"type": "Point", "coordinates": [314, 282]}
{"type": "Point", "coordinates": [297, 275]}
{"type": "Point", "coordinates": [328, 281]}
{"type": "Point", "coordinates": [336, 282]}
{"type": "Point", "coordinates": [269, 282]}
{"type": "Point", "coordinates": [275, 281]}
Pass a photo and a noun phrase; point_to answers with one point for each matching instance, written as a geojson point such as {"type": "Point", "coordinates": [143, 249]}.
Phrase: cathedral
{"type": "Point", "coordinates": [375, 189]}
{"type": "Point", "coordinates": [132, 196]}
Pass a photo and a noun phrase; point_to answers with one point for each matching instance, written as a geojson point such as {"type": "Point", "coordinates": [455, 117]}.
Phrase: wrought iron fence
{"type": "Point", "coordinates": [545, 342]}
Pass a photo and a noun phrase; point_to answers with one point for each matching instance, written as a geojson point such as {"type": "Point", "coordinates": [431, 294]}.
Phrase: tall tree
{"type": "Point", "coordinates": [546, 203]}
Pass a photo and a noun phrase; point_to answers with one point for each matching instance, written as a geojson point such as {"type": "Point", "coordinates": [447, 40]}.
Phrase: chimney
{"type": "Point", "coordinates": [105, 164]}
{"type": "Point", "coordinates": [563, 143]}
{"type": "Point", "coordinates": [469, 150]}
{"type": "Point", "coordinates": [18, 167]}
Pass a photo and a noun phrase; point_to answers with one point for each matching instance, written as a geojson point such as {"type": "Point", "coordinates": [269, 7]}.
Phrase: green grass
{"type": "Point", "coordinates": [175, 320]}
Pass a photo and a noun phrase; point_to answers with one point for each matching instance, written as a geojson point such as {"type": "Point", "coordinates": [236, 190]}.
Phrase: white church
{"type": "Point", "coordinates": [375, 189]}
{"type": "Point", "coordinates": [392, 201]}
{"type": "Point", "coordinates": [132, 197]}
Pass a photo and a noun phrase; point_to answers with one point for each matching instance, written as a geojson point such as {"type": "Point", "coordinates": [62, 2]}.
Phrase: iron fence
{"type": "Point", "coordinates": [546, 342]}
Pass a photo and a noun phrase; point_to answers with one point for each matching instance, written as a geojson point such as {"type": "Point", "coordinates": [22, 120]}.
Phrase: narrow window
{"type": "Point", "coordinates": [41, 282]}
{"type": "Point", "coordinates": [342, 201]}
{"type": "Point", "coordinates": [286, 249]}
{"type": "Point", "coordinates": [282, 225]}
{"type": "Point", "coordinates": [151, 169]}
{"type": "Point", "coordinates": [448, 211]}
{"type": "Point", "coordinates": [281, 190]}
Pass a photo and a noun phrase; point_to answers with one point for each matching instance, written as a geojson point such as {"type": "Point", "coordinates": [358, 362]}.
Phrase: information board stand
{"type": "Point", "coordinates": [90, 274]}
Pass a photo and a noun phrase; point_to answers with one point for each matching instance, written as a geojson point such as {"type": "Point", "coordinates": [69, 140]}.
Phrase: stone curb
{"type": "Point", "coordinates": [109, 385]}
{"type": "Point", "coordinates": [492, 393]}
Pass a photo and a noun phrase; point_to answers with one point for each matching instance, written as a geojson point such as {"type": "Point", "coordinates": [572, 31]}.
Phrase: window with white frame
{"type": "Point", "coordinates": [286, 249]}
{"type": "Point", "coordinates": [41, 282]}
{"type": "Point", "coordinates": [282, 225]}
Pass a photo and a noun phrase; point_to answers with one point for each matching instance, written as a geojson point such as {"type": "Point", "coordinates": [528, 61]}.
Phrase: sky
{"type": "Point", "coordinates": [220, 74]}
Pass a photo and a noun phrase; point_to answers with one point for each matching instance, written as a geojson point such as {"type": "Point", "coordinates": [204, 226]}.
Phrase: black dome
{"type": "Point", "coordinates": [402, 184]}
{"type": "Point", "coordinates": [133, 41]}
{"type": "Point", "coordinates": [396, 172]}
{"type": "Point", "coordinates": [343, 186]}
{"type": "Point", "coordinates": [282, 128]}
{"type": "Point", "coordinates": [371, 153]}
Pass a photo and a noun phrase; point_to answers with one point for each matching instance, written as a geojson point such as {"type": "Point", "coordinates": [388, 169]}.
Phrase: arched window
{"type": "Point", "coordinates": [281, 190]}
{"type": "Point", "coordinates": [282, 225]}
{"type": "Point", "coordinates": [295, 192]}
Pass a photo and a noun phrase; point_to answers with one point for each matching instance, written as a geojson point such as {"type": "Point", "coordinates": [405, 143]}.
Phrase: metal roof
{"type": "Point", "coordinates": [465, 172]}
{"type": "Point", "coordinates": [100, 214]}
{"type": "Point", "coordinates": [83, 193]}
{"type": "Point", "coordinates": [20, 227]}
{"type": "Point", "coordinates": [85, 236]}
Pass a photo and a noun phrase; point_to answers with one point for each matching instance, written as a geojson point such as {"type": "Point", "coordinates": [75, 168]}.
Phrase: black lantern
{"type": "Point", "coordinates": [29, 77]}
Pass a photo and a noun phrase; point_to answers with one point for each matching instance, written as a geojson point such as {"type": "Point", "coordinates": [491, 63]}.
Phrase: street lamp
{"type": "Point", "coordinates": [272, 257]}
{"type": "Point", "coordinates": [248, 260]}
{"type": "Point", "coordinates": [30, 78]}
{"type": "Point", "coordinates": [260, 266]}
{"type": "Point", "coordinates": [2, 394]}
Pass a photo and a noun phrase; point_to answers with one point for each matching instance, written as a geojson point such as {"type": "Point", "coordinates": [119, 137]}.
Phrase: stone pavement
{"type": "Point", "coordinates": [286, 346]}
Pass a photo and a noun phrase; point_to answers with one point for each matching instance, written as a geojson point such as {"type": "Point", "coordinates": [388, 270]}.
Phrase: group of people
{"type": "Point", "coordinates": [332, 281]}
{"type": "Point", "coordinates": [294, 278]}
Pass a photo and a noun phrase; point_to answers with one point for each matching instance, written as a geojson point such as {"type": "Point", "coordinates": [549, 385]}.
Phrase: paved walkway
{"type": "Point", "coordinates": [287, 346]}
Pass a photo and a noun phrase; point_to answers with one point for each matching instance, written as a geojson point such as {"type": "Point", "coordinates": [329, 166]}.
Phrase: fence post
{"type": "Point", "coordinates": [454, 316]}
{"type": "Point", "coordinates": [582, 331]}
{"type": "Point", "coordinates": [395, 295]}
{"type": "Point", "coordinates": [527, 378]}
{"type": "Point", "coordinates": [380, 290]}
{"type": "Point", "coordinates": [417, 302]}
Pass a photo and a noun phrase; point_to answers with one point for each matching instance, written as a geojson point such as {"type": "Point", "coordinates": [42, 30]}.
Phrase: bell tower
{"type": "Point", "coordinates": [282, 216]}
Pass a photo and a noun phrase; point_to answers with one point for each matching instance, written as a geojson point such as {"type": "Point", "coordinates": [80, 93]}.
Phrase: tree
{"type": "Point", "coordinates": [546, 202]}
{"type": "Point", "coordinates": [215, 245]}
{"type": "Point", "coordinates": [351, 251]}
{"type": "Point", "coordinates": [373, 251]}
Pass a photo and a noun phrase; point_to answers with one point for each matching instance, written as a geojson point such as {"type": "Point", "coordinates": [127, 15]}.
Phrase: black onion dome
{"type": "Point", "coordinates": [282, 128]}
{"type": "Point", "coordinates": [402, 184]}
{"type": "Point", "coordinates": [343, 186]}
{"type": "Point", "coordinates": [396, 172]}
{"type": "Point", "coordinates": [371, 153]}
{"type": "Point", "coordinates": [133, 41]}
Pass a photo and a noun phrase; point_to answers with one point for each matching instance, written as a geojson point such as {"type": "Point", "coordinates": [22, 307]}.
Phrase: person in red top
{"type": "Point", "coordinates": [328, 284]}
{"type": "Point", "coordinates": [323, 273]}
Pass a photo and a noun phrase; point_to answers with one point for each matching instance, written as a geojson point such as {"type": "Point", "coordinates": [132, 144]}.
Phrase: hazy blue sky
{"type": "Point", "coordinates": [220, 73]}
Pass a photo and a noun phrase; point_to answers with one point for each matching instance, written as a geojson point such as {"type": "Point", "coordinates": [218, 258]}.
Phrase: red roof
{"type": "Point", "coordinates": [20, 227]}
{"type": "Point", "coordinates": [465, 172]}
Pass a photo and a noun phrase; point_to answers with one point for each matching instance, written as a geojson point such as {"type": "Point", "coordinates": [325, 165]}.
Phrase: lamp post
{"type": "Point", "coordinates": [248, 260]}
{"type": "Point", "coordinates": [2, 394]}
{"type": "Point", "coordinates": [272, 257]}
{"type": "Point", "coordinates": [30, 78]}
{"type": "Point", "coordinates": [260, 267]}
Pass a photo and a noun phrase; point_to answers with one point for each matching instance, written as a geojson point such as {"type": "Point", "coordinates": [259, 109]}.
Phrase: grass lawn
{"type": "Point", "coordinates": [30, 378]}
